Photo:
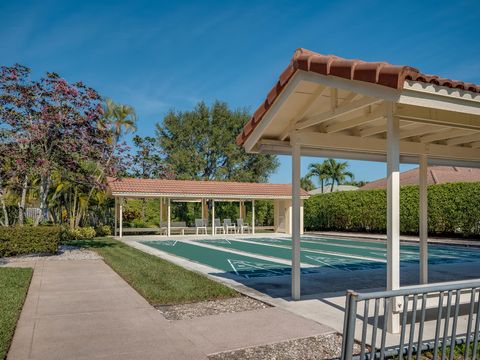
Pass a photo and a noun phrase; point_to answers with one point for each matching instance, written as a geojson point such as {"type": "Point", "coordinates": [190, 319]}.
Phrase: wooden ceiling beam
{"type": "Point", "coordinates": [337, 112]}
{"type": "Point", "coordinates": [378, 113]}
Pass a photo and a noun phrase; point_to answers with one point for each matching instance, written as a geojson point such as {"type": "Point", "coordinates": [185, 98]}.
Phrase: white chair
{"type": "Point", "coordinates": [242, 226]}
{"type": "Point", "coordinates": [227, 223]}
{"type": "Point", "coordinates": [200, 226]}
{"type": "Point", "coordinates": [218, 226]}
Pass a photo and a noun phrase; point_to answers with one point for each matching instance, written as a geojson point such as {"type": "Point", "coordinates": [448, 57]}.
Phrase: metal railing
{"type": "Point", "coordinates": [398, 327]}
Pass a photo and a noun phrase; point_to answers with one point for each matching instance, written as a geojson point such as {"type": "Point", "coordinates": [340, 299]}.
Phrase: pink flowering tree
{"type": "Point", "coordinates": [53, 130]}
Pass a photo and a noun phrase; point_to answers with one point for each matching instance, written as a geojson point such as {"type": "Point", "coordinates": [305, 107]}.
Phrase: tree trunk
{"type": "Point", "coordinates": [23, 200]}
{"type": "Point", "coordinates": [321, 184]}
{"type": "Point", "coordinates": [5, 221]}
{"type": "Point", "coordinates": [333, 184]}
{"type": "Point", "coordinates": [44, 187]}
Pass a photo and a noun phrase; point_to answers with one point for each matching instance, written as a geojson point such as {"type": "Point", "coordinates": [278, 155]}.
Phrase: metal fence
{"type": "Point", "coordinates": [426, 318]}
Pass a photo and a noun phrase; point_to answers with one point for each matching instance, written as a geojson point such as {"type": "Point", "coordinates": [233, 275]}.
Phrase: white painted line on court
{"type": "Point", "coordinates": [342, 255]}
{"type": "Point", "coordinates": [244, 253]}
{"type": "Point", "coordinates": [233, 267]}
{"type": "Point", "coordinates": [317, 259]}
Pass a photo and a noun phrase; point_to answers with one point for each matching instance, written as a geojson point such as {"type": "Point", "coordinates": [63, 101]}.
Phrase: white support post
{"type": "Point", "coordinates": [240, 209]}
{"type": "Point", "coordinates": [161, 215]}
{"type": "Point", "coordinates": [213, 217]}
{"type": "Point", "coordinates": [253, 216]}
{"type": "Point", "coordinates": [120, 220]}
{"type": "Point", "coordinates": [295, 221]}
{"type": "Point", "coordinates": [169, 216]}
{"type": "Point", "coordinates": [116, 217]}
{"type": "Point", "coordinates": [203, 209]}
{"type": "Point", "coordinates": [423, 209]}
{"type": "Point", "coordinates": [393, 214]}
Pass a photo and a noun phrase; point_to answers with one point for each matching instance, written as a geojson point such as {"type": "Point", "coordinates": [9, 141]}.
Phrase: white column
{"type": "Point", "coordinates": [295, 221]}
{"type": "Point", "coordinates": [116, 216]}
{"type": "Point", "coordinates": [121, 218]}
{"type": "Point", "coordinates": [393, 213]}
{"type": "Point", "coordinates": [423, 209]}
{"type": "Point", "coordinates": [169, 216]}
{"type": "Point", "coordinates": [213, 217]}
{"type": "Point", "coordinates": [203, 209]}
{"type": "Point", "coordinates": [161, 214]}
{"type": "Point", "coordinates": [253, 216]}
{"type": "Point", "coordinates": [240, 209]}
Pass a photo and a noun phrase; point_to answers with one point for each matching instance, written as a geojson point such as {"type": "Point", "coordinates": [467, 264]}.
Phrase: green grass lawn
{"type": "Point", "coordinates": [157, 280]}
{"type": "Point", "coordinates": [13, 290]}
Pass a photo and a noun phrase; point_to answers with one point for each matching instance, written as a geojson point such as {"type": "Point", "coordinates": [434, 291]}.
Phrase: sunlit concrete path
{"type": "Point", "coordinates": [84, 310]}
{"type": "Point", "coordinates": [81, 309]}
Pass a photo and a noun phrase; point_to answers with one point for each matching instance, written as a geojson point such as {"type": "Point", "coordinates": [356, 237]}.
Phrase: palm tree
{"type": "Point", "coordinates": [121, 117]}
{"type": "Point", "coordinates": [337, 172]}
{"type": "Point", "coordinates": [318, 170]}
{"type": "Point", "coordinates": [306, 183]}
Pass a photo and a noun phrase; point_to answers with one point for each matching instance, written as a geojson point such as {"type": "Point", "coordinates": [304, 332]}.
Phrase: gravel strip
{"type": "Point", "coordinates": [315, 347]}
{"type": "Point", "coordinates": [65, 252]}
{"type": "Point", "coordinates": [211, 307]}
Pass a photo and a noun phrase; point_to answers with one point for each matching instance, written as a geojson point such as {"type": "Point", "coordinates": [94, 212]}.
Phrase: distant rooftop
{"type": "Point", "coordinates": [435, 175]}
{"type": "Point", "coordinates": [327, 189]}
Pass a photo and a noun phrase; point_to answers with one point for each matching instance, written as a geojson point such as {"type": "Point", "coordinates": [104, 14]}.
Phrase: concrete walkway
{"type": "Point", "coordinates": [84, 310]}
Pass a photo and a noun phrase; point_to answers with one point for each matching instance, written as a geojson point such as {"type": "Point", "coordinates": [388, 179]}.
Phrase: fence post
{"type": "Point", "coordinates": [349, 325]}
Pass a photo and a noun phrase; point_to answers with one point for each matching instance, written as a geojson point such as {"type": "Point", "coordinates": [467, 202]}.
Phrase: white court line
{"type": "Point", "coordinates": [348, 256]}
{"type": "Point", "coordinates": [253, 266]}
{"type": "Point", "coordinates": [233, 267]}
{"type": "Point", "coordinates": [244, 253]}
{"type": "Point", "coordinates": [326, 264]}
{"type": "Point", "coordinates": [355, 246]}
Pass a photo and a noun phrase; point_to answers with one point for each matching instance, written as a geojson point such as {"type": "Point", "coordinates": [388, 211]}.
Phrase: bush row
{"type": "Point", "coordinates": [28, 240]}
{"type": "Point", "coordinates": [452, 209]}
{"type": "Point", "coordinates": [85, 233]}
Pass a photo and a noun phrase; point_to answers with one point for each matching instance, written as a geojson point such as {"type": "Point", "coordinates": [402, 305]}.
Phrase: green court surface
{"type": "Point", "coordinates": [370, 249]}
{"type": "Point", "coordinates": [245, 266]}
{"type": "Point", "coordinates": [308, 257]}
{"type": "Point", "coordinates": [326, 253]}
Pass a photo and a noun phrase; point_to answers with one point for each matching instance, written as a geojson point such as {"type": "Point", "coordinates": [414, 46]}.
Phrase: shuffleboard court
{"type": "Point", "coordinates": [244, 266]}
{"type": "Point", "coordinates": [308, 257]}
{"type": "Point", "coordinates": [408, 253]}
{"type": "Point", "coordinates": [377, 253]}
{"type": "Point", "coordinates": [264, 256]}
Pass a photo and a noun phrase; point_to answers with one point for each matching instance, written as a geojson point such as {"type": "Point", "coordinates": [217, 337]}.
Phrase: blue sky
{"type": "Point", "coordinates": [158, 55]}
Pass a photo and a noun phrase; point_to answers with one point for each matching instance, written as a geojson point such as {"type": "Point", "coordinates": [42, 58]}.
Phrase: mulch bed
{"type": "Point", "coordinates": [211, 307]}
{"type": "Point", "coordinates": [314, 347]}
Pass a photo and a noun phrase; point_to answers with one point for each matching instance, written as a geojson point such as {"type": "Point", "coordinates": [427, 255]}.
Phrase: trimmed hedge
{"type": "Point", "coordinates": [452, 209]}
{"type": "Point", "coordinates": [21, 240]}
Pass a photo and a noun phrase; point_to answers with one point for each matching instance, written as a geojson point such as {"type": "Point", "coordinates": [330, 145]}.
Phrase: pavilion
{"type": "Point", "coordinates": [204, 192]}
{"type": "Point", "coordinates": [327, 106]}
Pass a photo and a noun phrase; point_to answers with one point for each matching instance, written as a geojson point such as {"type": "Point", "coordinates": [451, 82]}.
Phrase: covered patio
{"type": "Point", "coordinates": [328, 106]}
{"type": "Point", "coordinates": [207, 193]}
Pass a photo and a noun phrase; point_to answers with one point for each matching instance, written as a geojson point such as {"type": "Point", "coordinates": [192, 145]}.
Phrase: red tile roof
{"type": "Point", "coordinates": [185, 188]}
{"type": "Point", "coordinates": [380, 73]}
{"type": "Point", "coordinates": [435, 175]}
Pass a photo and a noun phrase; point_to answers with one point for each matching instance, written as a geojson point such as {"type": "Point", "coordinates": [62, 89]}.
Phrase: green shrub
{"type": "Point", "coordinates": [137, 223]}
{"type": "Point", "coordinates": [81, 233]}
{"type": "Point", "coordinates": [452, 209]}
{"type": "Point", "coordinates": [103, 230]}
{"type": "Point", "coordinates": [21, 240]}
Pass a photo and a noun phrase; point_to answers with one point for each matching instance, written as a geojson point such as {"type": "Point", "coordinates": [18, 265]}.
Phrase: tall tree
{"type": "Point", "coordinates": [52, 126]}
{"type": "Point", "coordinates": [318, 171]}
{"type": "Point", "coordinates": [306, 183]}
{"type": "Point", "coordinates": [147, 162]}
{"type": "Point", "coordinates": [336, 172]}
{"type": "Point", "coordinates": [200, 144]}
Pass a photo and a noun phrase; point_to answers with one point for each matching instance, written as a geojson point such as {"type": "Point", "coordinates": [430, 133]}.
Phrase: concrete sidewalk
{"type": "Point", "coordinates": [84, 310]}
{"type": "Point", "coordinates": [81, 309]}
